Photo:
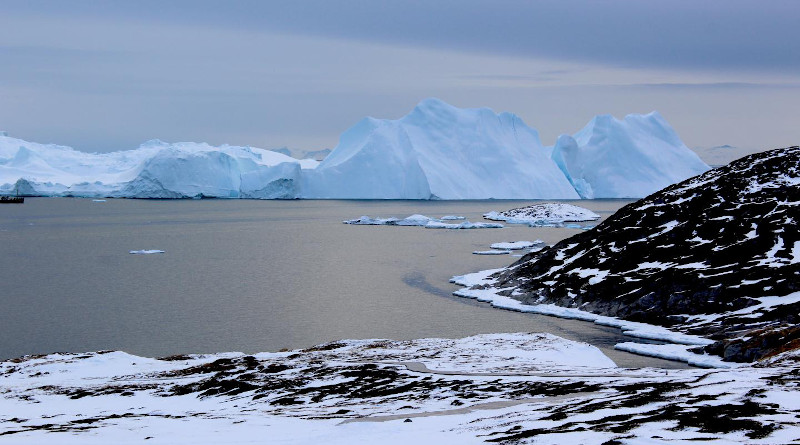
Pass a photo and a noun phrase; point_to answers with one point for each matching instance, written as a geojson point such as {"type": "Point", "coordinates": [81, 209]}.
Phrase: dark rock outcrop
{"type": "Point", "coordinates": [696, 256]}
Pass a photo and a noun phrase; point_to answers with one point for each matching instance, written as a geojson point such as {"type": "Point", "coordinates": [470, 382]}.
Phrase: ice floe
{"type": "Point", "coordinates": [545, 214]}
{"type": "Point", "coordinates": [145, 252]}
{"type": "Point", "coordinates": [491, 252]}
{"type": "Point", "coordinates": [422, 221]}
{"type": "Point", "coordinates": [517, 245]}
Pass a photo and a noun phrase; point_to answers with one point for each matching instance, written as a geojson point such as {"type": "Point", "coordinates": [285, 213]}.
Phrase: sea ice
{"type": "Point", "coordinates": [145, 252]}
{"type": "Point", "coordinates": [491, 252]}
{"type": "Point", "coordinates": [543, 214]}
{"type": "Point", "coordinates": [516, 245]}
{"type": "Point", "coordinates": [420, 221]}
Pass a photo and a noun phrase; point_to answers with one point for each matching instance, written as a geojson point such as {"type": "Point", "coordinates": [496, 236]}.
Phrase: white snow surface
{"type": "Point", "coordinates": [629, 158]}
{"type": "Point", "coordinates": [438, 151]}
{"type": "Point", "coordinates": [452, 391]}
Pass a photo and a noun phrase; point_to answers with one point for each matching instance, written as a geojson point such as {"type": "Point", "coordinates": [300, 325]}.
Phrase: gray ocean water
{"type": "Point", "coordinates": [251, 276]}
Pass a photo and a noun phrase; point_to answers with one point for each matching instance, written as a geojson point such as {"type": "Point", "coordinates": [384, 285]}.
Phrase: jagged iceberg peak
{"type": "Point", "coordinates": [439, 151]}
{"type": "Point", "coordinates": [629, 158]}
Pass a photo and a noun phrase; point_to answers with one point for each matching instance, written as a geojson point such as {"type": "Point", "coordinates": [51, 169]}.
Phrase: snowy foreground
{"type": "Point", "coordinates": [437, 151]}
{"type": "Point", "coordinates": [532, 388]}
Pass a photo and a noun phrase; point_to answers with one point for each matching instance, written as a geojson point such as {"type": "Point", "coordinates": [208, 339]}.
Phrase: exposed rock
{"type": "Point", "coordinates": [716, 255]}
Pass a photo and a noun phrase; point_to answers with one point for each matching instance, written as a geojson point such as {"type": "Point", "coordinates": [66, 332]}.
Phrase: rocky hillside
{"type": "Point", "coordinates": [716, 255]}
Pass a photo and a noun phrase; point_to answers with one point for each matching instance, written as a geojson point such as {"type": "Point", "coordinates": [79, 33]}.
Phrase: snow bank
{"type": "Point", "coordinates": [631, 158]}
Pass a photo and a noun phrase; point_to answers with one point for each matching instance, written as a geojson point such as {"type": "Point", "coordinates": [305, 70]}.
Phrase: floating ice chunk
{"type": "Point", "coordinates": [491, 252]}
{"type": "Point", "coordinates": [420, 221]}
{"type": "Point", "coordinates": [463, 225]}
{"type": "Point", "coordinates": [550, 213]}
{"type": "Point", "coordinates": [516, 245]}
{"type": "Point", "coordinates": [414, 220]}
{"type": "Point", "coordinates": [367, 221]}
{"type": "Point", "coordinates": [145, 252]}
{"type": "Point", "coordinates": [98, 200]}
{"type": "Point", "coordinates": [452, 218]}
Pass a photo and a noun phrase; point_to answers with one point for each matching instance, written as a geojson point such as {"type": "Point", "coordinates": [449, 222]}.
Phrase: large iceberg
{"type": "Point", "coordinates": [439, 151]}
{"type": "Point", "coordinates": [155, 170]}
{"type": "Point", "coordinates": [630, 158]}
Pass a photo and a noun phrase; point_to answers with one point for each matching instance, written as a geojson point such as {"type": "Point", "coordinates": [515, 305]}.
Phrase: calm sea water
{"type": "Point", "coordinates": [241, 275]}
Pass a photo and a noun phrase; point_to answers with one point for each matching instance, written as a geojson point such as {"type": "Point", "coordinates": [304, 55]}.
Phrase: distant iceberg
{"type": "Point", "coordinates": [437, 151]}
{"type": "Point", "coordinates": [629, 158]}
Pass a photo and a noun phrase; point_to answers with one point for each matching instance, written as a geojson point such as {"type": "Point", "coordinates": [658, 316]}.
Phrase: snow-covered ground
{"type": "Point", "coordinates": [437, 151]}
{"type": "Point", "coordinates": [494, 387]}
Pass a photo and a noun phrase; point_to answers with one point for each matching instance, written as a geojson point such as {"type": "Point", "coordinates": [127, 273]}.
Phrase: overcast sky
{"type": "Point", "coordinates": [105, 75]}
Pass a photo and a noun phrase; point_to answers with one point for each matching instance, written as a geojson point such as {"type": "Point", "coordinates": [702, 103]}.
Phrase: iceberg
{"type": "Point", "coordinates": [439, 151]}
{"type": "Point", "coordinates": [629, 158]}
{"type": "Point", "coordinates": [154, 170]}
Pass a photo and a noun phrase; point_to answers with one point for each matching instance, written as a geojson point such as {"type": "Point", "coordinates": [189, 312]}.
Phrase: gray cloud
{"type": "Point", "coordinates": [709, 34]}
{"type": "Point", "coordinates": [102, 75]}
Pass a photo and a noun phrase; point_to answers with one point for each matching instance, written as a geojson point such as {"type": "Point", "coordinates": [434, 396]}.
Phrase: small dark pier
{"type": "Point", "coordinates": [11, 199]}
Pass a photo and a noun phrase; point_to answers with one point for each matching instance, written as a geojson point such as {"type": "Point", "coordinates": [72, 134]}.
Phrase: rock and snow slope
{"type": "Point", "coordinates": [629, 158]}
{"type": "Point", "coordinates": [439, 151]}
{"type": "Point", "coordinates": [506, 388]}
{"type": "Point", "coordinates": [435, 152]}
{"type": "Point", "coordinates": [717, 255]}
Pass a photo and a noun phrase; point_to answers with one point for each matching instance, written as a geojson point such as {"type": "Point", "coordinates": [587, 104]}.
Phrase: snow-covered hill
{"type": "Point", "coordinates": [435, 152]}
{"type": "Point", "coordinates": [717, 255]}
{"type": "Point", "coordinates": [630, 158]}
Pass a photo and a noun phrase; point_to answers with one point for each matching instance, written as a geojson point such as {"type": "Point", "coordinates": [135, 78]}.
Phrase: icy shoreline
{"type": "Point", "coordinates": [676, 347]}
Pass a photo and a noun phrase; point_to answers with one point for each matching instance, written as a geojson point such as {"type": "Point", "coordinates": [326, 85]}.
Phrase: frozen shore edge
{"type": "Point", "coordinates": [676, 347]}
